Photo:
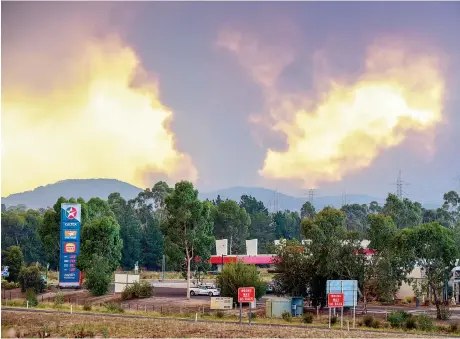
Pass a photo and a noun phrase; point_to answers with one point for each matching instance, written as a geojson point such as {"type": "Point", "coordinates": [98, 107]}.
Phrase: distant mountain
{"type": "Point", "coordinates": [283, 201]}
{"type": "Point", "coordinates": [45, 196]}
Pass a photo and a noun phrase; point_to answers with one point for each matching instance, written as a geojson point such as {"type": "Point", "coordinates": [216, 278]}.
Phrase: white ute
{"type": "Point", "coordinates": [204, 290]}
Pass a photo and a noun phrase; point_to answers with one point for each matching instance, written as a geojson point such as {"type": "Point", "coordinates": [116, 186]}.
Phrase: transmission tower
{"type": "Point", "coordinates": [457, 179]}
{"type": "Point", "coordinates": [399, 186]}
{"type": "Point", "coordinates": [311, 195]}
{"type": "Point", "coordinates": [344, 198]}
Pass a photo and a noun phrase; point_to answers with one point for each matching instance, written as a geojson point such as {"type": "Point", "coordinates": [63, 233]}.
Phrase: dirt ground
{"type": "Point", "coordinates": [19, 324]}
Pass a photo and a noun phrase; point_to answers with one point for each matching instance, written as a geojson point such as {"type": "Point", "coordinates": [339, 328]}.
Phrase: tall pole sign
{"type": "Point", "coordinates": [69, 275]}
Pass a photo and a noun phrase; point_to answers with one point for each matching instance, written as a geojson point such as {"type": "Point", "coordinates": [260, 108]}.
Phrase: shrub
{"type": "Point", "coordinates": [9, 285]}
{"type": "Point", "coordinates": [397, 319]}
{"type": "Point", "coordinates": [308, 318]}
{"type": "Point", "coordinates": [445, 312]}
{"type": "Point", "coordinates": [376, 323]}
{"type": "Point", "coordinates": [334, 320]}
{"type": "Point", "coordinates": [287, 316]}
{"type": "Point", "coordinates": [409, 300]}
{"type": "Point", "coordinates": [98, 276]}
{"type": "Point", "coordinates": [253, 315]}
{"type": "Point", "coordinates": [137, 290]}
{"type": "Point", "coordinates": [59, 299]}
{"type": "Point", "coordinates": [30, 277]}
{"type": "Point", "coordinates": [410, 324]}
{"type": "Point", "coordinates": [425, 323]}
{"type": "Point", "coordinates": [114, 308]}
{"type": "Point", "coordinates": [31, 298]}
{"type": "Point", "coordinates": [368, 320]}
{"type": "Point", "coordinates": [87, 307]}
{"type": "Point", "coordinates": [235, 275]}
{"type": "Point", "coordinates": [453, 328]}
{"type": "Point", "coordinates": [220, 314]}
{"type": "Point", "coordinates": [14, 260]}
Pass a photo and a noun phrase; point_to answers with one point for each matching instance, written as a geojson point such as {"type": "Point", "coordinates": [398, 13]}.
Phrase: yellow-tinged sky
{"type": "Point", "coordinates": [296, 95]}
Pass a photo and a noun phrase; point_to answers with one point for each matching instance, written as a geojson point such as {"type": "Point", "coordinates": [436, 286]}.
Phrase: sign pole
{"type": "Point", "coordinates": [250, 313]}
{"type": "Point", "coordinates": [341, 291]}
{"type": "Point", "coordinates": [329, 317]}
{"type": "Point", "coordinates": [241, 312]}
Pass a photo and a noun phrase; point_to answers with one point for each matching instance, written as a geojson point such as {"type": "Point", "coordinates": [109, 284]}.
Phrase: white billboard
{"type": "Point", "coordinates": [251, 247]}
{"type": "Point", "coordinates": [222, 247]}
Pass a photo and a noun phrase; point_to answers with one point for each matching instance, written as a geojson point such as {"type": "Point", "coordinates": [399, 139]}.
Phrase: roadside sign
{"type": "Point", "coordinates": [335, 300]}
{"type": "Point", "coordinates": [221, 303]}
{"type": "Point", "coordinates": [246, 294]}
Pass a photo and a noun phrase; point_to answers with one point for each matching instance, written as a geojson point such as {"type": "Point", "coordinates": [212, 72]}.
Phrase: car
{"type": "Point", "coordinates": [270, 288]}
{"type": "Point", "coordinates": [204, 290]}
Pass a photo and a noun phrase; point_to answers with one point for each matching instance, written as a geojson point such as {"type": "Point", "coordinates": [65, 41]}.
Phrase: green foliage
{"type": "Point", "coordinates": [220, 314]}
{"type": "Point", "coordinates": [152, 244]}
{"type": "Point", "coordinates": [410, 323]}
{"type": "Point", "coordinates": [375, 323]}
{"type": "Point", "coordinates": [31, 277]}
{"type": "Point", "coordinates": [454, 328]}
{"type": "Point", "coordinates": [287, 225]}
{"type": "Point", "coordinates": [6, 285]}
{"type": "Point", "coordinates": [287, 316]}
{"type": "Point", "coordinates": [59, 299]}
{"type": "Point", "coordinates": [334, 320]}
{"type": "Point", "coordinates": [98, 275]}
{"type": "Point", "coordinates": [398, 318]}
{"type": "Point", "coordinates": [307, 211]}
{"type": "Point", "coordinates": [307, 318]}
{"type": "Point", "coordinates": [235, 275]}
{"type": "Point", "coordinates": [14, 260]}
{"type": "Point", "coordinates": [356, 217]}
{"type": "Point", "coordinates": [114, 308]}
{"type": "Point", "coordinates": [137, 290]}
{"type": "Point", "coordinates": [87, 307]}
{"type": "Point", "coordinates": [231, 222]}
{"type": "Point", "coordinates": [432, 247]}
{"type": "Point", "coordinates": [100, 237]}
{"type": "Point", "coordinates": [405, 213]}
{"type": "Point", "coordinates": [130, 229]}
{"type": "Point", "coordinates": [189, 223]}
{"type": "Point", "coordinates": [31, 298]}
{"type": "Point", "coordinates": [425, 322]}
{"type": "Point", "coordinates": [368, 320]}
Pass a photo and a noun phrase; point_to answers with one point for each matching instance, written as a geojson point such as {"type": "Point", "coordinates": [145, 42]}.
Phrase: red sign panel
{"type": "Point", "coordinates": [246, 294]}
{"type": "Point", "coordinates": [335, 300]}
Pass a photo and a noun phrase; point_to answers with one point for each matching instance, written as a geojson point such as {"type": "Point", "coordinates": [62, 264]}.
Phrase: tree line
{"type": "Point", "coordinates": [173, 222]}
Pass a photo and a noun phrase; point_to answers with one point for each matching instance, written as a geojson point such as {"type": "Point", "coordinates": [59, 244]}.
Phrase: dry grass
{"type": "Point", "coordinates": [35, 324]}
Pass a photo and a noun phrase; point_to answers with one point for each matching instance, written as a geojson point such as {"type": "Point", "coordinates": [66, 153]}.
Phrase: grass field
{"type": "Point", "coordinates": [20, 324]}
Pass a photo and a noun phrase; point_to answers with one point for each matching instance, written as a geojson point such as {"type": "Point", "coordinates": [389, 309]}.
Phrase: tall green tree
{"type": "Point", "coordinates": [356, 217]}
{"type": "Point", "coordinates": [307, 211]}
{"type": "Point", "coordinates": [130, 230]}
{"type": "Point", "coordinates": [231, 222]}
{"type": "Point", "coordinates": [152, 244]}
{"type": "Point", "coordinates": [100, 236]}
{"type": "Point", "coordinates": [433, 248]}
{"type": "Point", "coordinates": [405, 213]}
{"type": "Point", "coordinates": [14, 260]}
{"type": "Point", "coordinates": [287, 225]}
{"type": "Point", "coordinates": [189, 223]}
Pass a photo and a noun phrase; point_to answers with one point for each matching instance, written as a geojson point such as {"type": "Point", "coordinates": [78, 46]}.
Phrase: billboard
{"type": "Point", "coordinates": [69, 275]}
{"type": "Point", "coordinates": [349, 288]}
{"type": "Point", "coordinates": [221, 303]}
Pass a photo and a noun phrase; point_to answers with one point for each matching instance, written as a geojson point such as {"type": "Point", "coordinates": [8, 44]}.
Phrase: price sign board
{"type": "Point", "coordinates": [335, 300]}
{"type": "Point", "coordinates": [221, 303]}
{"type": "Point", "coordinates": [246, 294]}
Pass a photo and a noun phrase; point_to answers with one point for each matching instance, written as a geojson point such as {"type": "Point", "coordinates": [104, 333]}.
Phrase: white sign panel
{"type": "Point", "coordinates": [222, 247]}
{"type": "Point", "coordinates": [251, 247]}
{"type": "Point", "coordinates": [221, 303]}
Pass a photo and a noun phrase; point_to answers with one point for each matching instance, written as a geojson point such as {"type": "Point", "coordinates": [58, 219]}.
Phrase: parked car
{"type": "Point", "coordinates": [204, 290]}
{"type": "Point", "coordinates": [270, 288]}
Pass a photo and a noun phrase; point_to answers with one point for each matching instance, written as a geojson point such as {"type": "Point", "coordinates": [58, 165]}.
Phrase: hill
{"type": "Point", "coordinates": [45, 196]}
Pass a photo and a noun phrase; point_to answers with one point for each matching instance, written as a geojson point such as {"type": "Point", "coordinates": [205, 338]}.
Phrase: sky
{"type": "Point", "coordinates": [334, 96]}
